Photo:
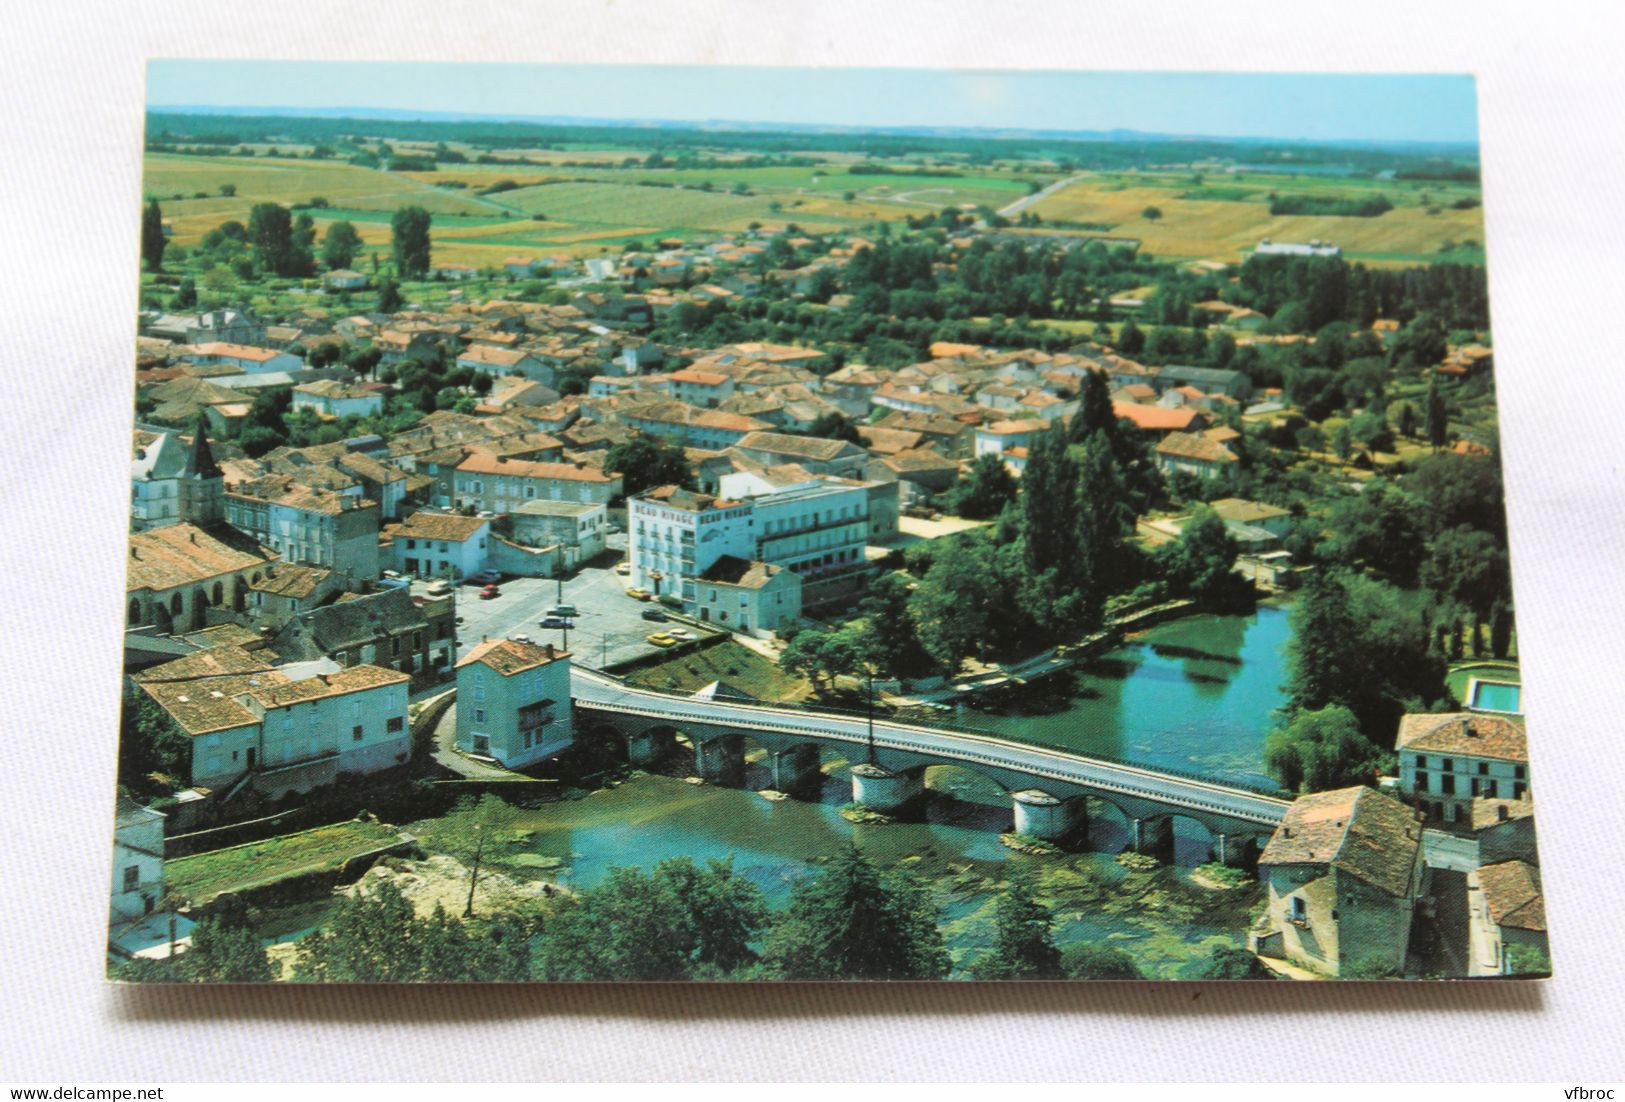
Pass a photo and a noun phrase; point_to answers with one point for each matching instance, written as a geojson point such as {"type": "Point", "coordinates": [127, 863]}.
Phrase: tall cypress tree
{"type": "Point", "coordinates": [1438, 419]}
{"type": "Point", "coordinates": [152, 237]}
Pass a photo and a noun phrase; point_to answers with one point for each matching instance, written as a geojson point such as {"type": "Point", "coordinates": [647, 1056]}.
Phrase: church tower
{"type": "Point", "coordinates": [202, 483]}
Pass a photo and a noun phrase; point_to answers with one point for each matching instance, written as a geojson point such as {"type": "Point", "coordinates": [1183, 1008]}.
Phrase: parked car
{"type": "Point", "coordinates": [661, 639]}
{"type": "Point", "coordinates": [486, 577]}
{"type": "Point", "coordinates": [521, 638]}
{"type": "Point", "coordinates": [556, 622]}
{"type": "Point", "coordinates": [639, 594]}
{"type": "Point", "coordinates": [563, 610]}
{"type": "Point", "coordinates": [439, 588]}
{"type": "Point", "coordinates": [623, 568]}
{"type": "Point", "coordinates": [655, 614]}
{"type": "Point", "coordinates": [489, 592]}
{"type": "Point", "coordinates": [680, 633]}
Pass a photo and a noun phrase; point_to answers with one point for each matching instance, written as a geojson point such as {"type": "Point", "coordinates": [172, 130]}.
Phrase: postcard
{"type": "Point", "coordinates": [630, 523]}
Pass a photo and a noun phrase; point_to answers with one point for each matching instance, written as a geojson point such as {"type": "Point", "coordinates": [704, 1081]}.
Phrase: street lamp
{"type": "Point", "coordinates": [870, 671]}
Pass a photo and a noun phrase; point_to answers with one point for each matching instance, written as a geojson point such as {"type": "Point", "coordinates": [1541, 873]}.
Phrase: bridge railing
{"type": "Point", "coordinates": [952, 727]}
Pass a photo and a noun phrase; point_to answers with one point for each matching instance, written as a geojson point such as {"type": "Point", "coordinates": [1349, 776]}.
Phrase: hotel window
{"type": "Point", "coordinates": [355, 733]}
{"type": "Point", "coordinates": [394, 724]}
{"type": "Point", "coordinates": [479, 715]}
{"type": "Point", "coordinates": [1447, 784]}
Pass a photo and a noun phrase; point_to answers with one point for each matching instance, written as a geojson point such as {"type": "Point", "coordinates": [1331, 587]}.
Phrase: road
{"type": "Point", "coordinates": [610, 628]}
{"type": "Point", "coordinates": [1028, 200]}
{"type": "Point", "coordinates": [1038, 763]}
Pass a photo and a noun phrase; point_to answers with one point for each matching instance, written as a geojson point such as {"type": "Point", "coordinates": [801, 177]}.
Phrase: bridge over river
{"type": "Point", "coordinates": [1049, 788]}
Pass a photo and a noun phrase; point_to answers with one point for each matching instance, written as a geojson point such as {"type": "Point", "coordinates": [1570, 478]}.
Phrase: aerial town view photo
{"type": "Point", "coordinates": [815, 537]}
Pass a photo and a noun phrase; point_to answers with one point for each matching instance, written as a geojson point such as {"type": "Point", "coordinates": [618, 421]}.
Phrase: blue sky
{"type": "Point", "coordinates": [1378, 107]}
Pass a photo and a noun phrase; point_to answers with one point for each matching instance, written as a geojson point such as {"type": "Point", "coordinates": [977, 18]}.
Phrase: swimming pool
{"type": "Point", "coordinates": [1494, 696]}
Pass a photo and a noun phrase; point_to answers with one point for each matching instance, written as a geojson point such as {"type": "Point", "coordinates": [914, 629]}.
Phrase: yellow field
{"type": "Point", "coordinates": [1220, 229]}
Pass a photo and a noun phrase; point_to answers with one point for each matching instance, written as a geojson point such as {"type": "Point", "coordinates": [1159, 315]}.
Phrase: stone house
{"type": "Point", "coordinates": [513, 702]}
{"type": "Point", "coordinates": [1343, 871]}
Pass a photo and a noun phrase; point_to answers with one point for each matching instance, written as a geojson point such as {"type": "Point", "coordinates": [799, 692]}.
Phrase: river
{"type": "Point", "coordinates": [1194, 694]}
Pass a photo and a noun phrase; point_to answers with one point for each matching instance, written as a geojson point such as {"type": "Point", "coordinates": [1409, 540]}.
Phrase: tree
{"type": "Point", "coordinates": [1095, 412]}
{"type": "Point", "coordinates": [953, 604]}
{"type": "Point", "coordinates": [728, 911]}
{"type": "Point", "coordinates": [1438, 418]}
{"type": "Point", "coordinates": [1200, 563]}
{"type": "Point", "coordinates": [410, 242]}
{"type": "Point", "coordinates": [822, 654]}
{"type": "Point", "coordinates": [1228, 962]}
{"type": "Point", "coordinates": [302, 251]}
{"type": "Point", "coordinates": [891, 642]}
{"type": "Point", "coordinates": [367, 939]}
{"type": "Point", "coordinates": [1322, 749]}
{"type": "Point", "coordinates": [1088, 961]}
{"type": "Point", "coordinates": [228, 190]}
{"type": "Point", "coordinates": [1130, 340]}
{"type": "Point", "coordinates": [150, 741]}
{"type": "Point", "coordinates": [847, 923]}
{"type": "Point", "coordinates": [185, 294]}
{"type": "Point", "coordinates": [1407, 421]}
{"type": "Point", "coordinates": [153, 241]}
{"type": "Point", "coordinates": [1024, 947]}
{"type": "Point", "coordinates": [986, 489]}
{"type": "Point", "coordinates": [389, 296]}
{"type": "Point", "coordinates": [340, 245]}
{"type": "Point", "coordinates": [1470, 567]}
{"type": "Point", "coordinates": [644, 462]}
{"type": "Point", "coordinates": [270, 230]}
{"type": "Point", "coordinates": [470, 830]}
{"type": "Point", "coordinates": [226, 949]}
{"type": "Point", "coordinates": [1151, 214]}
{"type": "Point", "coordinates": [630, 927]}
{"type": "Point", "coordinates": [1363, 644]}
{"type": "Point", "coordinates": [834, 426]}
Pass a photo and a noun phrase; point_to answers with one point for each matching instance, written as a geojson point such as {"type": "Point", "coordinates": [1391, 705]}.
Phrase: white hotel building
{"type": "Point", "coordinates": [818, 529]}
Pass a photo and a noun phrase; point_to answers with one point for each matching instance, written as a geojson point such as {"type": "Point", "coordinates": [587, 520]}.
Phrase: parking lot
{"type": "Point", "coordinates": [609, 627]}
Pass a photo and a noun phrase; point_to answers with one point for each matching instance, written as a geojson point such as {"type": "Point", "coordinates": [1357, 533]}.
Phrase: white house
{"type": "Point", "coordinates": [438, 545]}
{"type": "Point", "coordinates": [491, 360]}
{"type": "Point", "coordinates": [289, 734]}
{"type": "Point", "coordinates": [1447, 761]}
{"type": "Point", "coordinates": [752, 598]}
{"type": "Point", "coordinates": [329, 398]}
{"type": "Point", "coordinates": [1006, 436]}
{"type": "Point", "coordinates": [499, 484]}
{"type": "Point", "coordinates": [317, 527]}
{"type": "Point", "coordinates": [343, 279]}
{"type": "Point", "coordinates": [246, 358]}
{"type": "Point", "coordinates": [1192, 454]}
{"type": "Point", "coordinates": [513, 702]}
{"type": "Point", "coordinates": [138, 860]}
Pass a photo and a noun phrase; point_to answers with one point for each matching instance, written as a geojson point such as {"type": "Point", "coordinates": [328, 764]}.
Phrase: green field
{"type": "Point", "coordinates": [203, 876]}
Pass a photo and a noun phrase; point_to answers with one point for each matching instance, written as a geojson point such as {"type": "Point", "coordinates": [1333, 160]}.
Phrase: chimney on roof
{"type": "Point", "coordinates": [550, 652]}
{"type": "Point", "coordinates": [1467, 727]}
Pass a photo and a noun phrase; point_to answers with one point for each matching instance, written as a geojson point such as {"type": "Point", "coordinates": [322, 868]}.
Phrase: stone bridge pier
{"type": "Point", "coordinates": [880, 789]}
{"type": "Point", "coordinates": [720, 759]}
{"type": "Point", "coordinates": [645, 748]}
{"type": "Point", "coordinates": [1049, 818]}
{"type": "Point", "coordinates": [1153, 835]}
{"type": "Point", "coordinates": [796, 768]}
{"type": "Point", "coordinates": [1239, 851]}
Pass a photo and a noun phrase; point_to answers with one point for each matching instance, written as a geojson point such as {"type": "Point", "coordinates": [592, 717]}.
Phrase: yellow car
{"type": "Point", "coordinates": [639, 594]}
{"type": "Point", "coordinates": [661, 639]}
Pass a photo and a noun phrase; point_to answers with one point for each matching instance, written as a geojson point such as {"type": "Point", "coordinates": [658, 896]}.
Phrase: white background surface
{"type": "Point", "coordinates": [70, 138]}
